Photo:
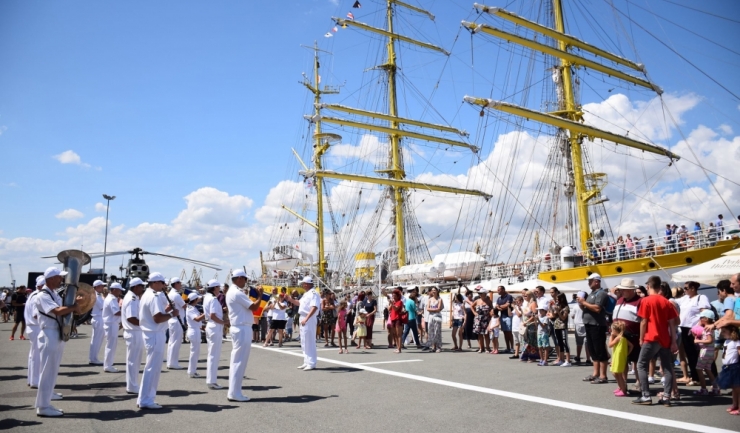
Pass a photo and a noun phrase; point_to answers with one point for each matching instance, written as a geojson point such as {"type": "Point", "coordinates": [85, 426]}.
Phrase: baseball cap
{"type": "Point", "coordinates": [97, 283]}
{"type": "Point", "coordinates": [213, 283]}
{"type": "Point", "coordinates": [53, 272]}
{"type": "Point", "coordinates": [193, 296]}
{"type": "Point", "coordinates": [307, 280]}
{"type": "Point", "coordinates": [156, 276]}
{"type": "Point", "coordinates": [709, 314]}
{"type": "Point", "coordinates": [116, 286]}
{"type": "Point", "coordinates": [593, 276]}
{"type": "Point", "coordinates": [239, 273]}
{"type": "Point", "coordinates": [135, 282]}
{"type": "Point", "coordinates": [40, 280]}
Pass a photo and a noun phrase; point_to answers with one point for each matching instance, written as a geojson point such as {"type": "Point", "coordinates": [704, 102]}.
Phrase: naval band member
{"type": "Point", "coordinates": [214, 332]}
{"type": "Point", "coordinates": [241, 318]}
{"type": "Point", "coordinates": [50, 344]}
{"type": "Point", "coordinates": [111, 323]}
{"type": "Point", "coordinates": [96, 322]}
{"type": "Point", "coordinates": [173, 347]}
{"type": "Point", "coordinates": [194, 318]}
{"type": "Point", "coordinates": [308, 306]}
{"type": "Point", "coordinates": [132, 333]}
{"type": "Point", "coordinates": [32, 332]}
{"type": "Point", "coordinates": [154, 312]}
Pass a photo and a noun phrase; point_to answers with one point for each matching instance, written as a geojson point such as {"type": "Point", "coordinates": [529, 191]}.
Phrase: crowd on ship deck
{"type": "Point", "coordinates": [675, 239]}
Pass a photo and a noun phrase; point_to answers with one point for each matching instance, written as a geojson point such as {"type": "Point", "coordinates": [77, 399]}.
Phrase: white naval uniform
{"type": "Point", "coordinates": [241, 320]}
{"type": "Point", "coordinates": [134, 340]}
{"type": "Point", "coordinates": [151, 304]}
{"type": "Point", "coordinates": [194, 338]}
{"type": "Point", "coordinates": [111, 323]}
{"type": "Point", "coordinates": [96, 340]}
{"type": "Point", "coordinates": [32, 332]}
{"type": "Point", "coordinates": [214, 335]}
{"type": "Point", "coordinates": [308, 331]}
{"type": "Point", "coordinates": [50, 345]}
{"type": "Point", "coordinates": [173, 347]}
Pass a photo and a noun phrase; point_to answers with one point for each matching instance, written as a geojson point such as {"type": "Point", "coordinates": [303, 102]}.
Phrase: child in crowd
{"type": "Point", "coordinates": [704, 339]}
{"type": "Point", "coordinates": [495, 328]}
{"type": "Point", "coordinates": [620, 349]}
{"type": "Point", "coordinates": [360, 329]}
{"type": "Point", "coordinates": [543, 336]}
{"type": "Point", "coordinates": [342, 326]}
{"type": "Point", "coordinates": [729, 377]}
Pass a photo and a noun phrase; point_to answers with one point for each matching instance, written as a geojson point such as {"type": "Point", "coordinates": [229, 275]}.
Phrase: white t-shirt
{"type": "Point", "coordinates": [690, 309]}
{"type": "Point", "coordinates": [516, 321]}
{"type": "Point", "coordinates": [308, 300]}
{"type": "Point", "coordinates": [45, 303]}
{"type": "Point", "coordinates": [212, 306]}
{"type": "Point", "coordinates": [277, 313]}
{"type": "Point", "coordinates": [152, 303]}
{"type": "Point", "coordinates": [3, 295]}
{"type": "Point", "coordinates": [30, 312]}
{"type": "Point", "coordinates": [130, 308]}
{"type": "Point", "coordinates": [190, 316]}
{"type": "Point", "coordinates": [731, 356]}
{"type": "Point", "coordinates": [110, 308]}
{"type": "Point", "coordinates": [178, 302]}
{"type": "Point", "coordinates": [238, 304]}
{"type": "Point", "coordinates": [97, 310]}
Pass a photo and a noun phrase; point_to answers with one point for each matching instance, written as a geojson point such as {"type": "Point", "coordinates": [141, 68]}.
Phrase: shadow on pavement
{"type": "Point", "coordinates": [78, 373]}
{"type": "Point", "coordinates": [13, 377]}
{"type": "Point", "coordinates": [291, 399]}
{"type": "Point", "coordinates": [5, 408]}
{"type": "Point", "coordinates": [261, 388]}
{"type": "Point", "coordinates": [11, 423]}
{"type": "Point", "coordinates": [178, 393]}
{"type": "Point", "coordinates": [101, 398]}
{"type": "Point", "coordinates": [339, 369]}
{"type": "Point", "coordinates": [91, 386]}
{"type": "Point", "coordinates": [13, 368]}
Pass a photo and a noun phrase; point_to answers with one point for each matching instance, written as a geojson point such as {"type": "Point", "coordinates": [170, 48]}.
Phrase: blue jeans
{"type": "Point", "coordinates": [415, 332]}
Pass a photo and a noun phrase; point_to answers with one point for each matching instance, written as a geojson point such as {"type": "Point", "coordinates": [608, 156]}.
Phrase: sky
{"type": "Point", "coordinates": [187, 111]}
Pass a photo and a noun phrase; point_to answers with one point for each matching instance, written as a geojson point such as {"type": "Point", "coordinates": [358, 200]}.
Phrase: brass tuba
{"type": "Point", "coordinates": [73, 261]}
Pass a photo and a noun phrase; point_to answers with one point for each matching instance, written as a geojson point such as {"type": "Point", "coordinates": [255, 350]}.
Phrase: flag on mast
{"type": "Point", "coordinates": [351, 16]}
{"type": "Point", "coordinates": [357, 4]}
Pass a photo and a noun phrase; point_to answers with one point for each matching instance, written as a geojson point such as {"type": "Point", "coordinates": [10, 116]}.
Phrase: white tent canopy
{"type": "Point", "coordinates": [712, 272]}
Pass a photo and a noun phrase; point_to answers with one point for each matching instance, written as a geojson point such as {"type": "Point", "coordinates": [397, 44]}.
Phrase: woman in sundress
{"type": "Point", "coordinates": [482, 312]}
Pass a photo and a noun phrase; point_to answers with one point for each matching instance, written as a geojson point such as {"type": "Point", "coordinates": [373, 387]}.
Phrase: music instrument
{"type": "Point", "coordinates": [73, 261]}
{"type": "Point", "coordinates": [88, 293]}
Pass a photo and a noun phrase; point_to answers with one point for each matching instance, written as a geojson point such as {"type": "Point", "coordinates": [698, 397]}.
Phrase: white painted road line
{"type": "Point", "coordinates": [630, 416]}
{"type": "Point", "coordinates": [389, 362]}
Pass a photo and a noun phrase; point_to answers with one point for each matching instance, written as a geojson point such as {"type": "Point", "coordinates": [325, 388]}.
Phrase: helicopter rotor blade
{"type": "Point", "coordinates": [117, 253]}
{"type": "Point", "coordinates": [193, 261]}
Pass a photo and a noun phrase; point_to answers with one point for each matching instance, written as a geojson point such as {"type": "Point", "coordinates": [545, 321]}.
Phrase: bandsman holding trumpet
{"type": "Point", "coordinates": [50, 343]}
{"type": "Point", "coordinates": [241, 318]}
{"type": "Point", "coordinates": [132, 333]}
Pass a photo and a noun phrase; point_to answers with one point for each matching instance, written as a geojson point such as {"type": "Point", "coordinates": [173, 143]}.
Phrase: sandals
{"type": "Point", "coordinates": [702, 392]}
{"type": "Point", "coordinates": [599, 381]}
{"type": "Point", "coordinates": [589, 378]}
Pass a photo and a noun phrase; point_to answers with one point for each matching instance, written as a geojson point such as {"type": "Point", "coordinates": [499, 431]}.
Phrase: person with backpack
{"type": "Point", "coordinates": [594, 308]}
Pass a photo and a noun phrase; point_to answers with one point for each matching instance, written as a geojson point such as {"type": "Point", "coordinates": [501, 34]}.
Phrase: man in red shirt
{"type": "Point", "coordinates": [657, 336]}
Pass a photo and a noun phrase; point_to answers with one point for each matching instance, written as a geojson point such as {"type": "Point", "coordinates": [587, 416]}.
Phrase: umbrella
{"type": "Point", "coordinates": [711, 272]}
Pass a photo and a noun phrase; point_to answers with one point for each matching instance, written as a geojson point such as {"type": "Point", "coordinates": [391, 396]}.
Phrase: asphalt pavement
{"type": "Point", "coordinates": [363, 391]}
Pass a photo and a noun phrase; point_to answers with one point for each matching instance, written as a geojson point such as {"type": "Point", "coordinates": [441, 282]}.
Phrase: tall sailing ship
{"type": "Point", "coordinates": [355, 205]}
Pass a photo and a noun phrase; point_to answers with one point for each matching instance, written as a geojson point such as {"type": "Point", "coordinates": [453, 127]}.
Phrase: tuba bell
{"type": "Point", "coordinates": [73, 261]}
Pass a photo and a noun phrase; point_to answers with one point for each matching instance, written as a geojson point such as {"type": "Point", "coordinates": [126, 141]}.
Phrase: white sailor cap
{"type": "Point", "coordinates": [135, 282]}
{"type": "Point", "coordinates": [116, 286]}
{"type": "Point", "coordinates": [239, 273]}
{"type": "Point", "coordinates": [40, 281]}
{"type": "Point", "coordinates": [53, 272]}
{"type": "Point", "coordinates": [174, 281]}
{"type": "Point", "coordinates": [97, 283]}
{"type": "Point", "coordinates": [307, 280]}
{"type": "Point", "coordinates": [213, 283]}
{"type": "Point", "coordinates": [193, 296]}
{"type": "Point", "coordinates": [156, 276]}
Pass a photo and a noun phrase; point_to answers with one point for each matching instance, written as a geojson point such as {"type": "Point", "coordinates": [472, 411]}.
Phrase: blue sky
{"type": "Point", "coordinates": [161, 99]}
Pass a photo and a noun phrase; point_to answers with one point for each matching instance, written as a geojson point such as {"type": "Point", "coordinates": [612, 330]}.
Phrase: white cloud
{"type": "Point", "coordinates": [70, 157]}
{"type": "Point", "coordinates": [334, 2]}
{"type": "Point", "coordinates": [100, 207]}
{"type": "Point", "coordinates": [69, 214]}
{"type": "Point", "coordinates": [726, 129]}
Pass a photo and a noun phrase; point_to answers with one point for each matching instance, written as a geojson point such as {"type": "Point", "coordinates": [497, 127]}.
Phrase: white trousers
{"type": "Point", "coordinates": [194, 337]}
{"type": "Point", "coordinates": [241, 342]}
{"type": "Point", "coordinates": [134, 348]}
{"type": "Point", "coordinates": [173, 347]}
{"type": "Point", "coordinates": [214, 336]}
{"type": "Point", "coordinates": [34, 361]}
{"type": "Point", "coordinates": [111, 342]}
{"type": "Point", "coordinates": [308, 342]}
{"type": "Point", "coordinates": [96, 340]}
{"type": "Point", "coordinates": [51, 348]}
{"type": "Point", "coordinates": [155, 347]}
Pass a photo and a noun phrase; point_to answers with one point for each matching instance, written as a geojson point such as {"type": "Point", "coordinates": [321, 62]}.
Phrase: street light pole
{"type": "Point", "coordinates": [105, 245]}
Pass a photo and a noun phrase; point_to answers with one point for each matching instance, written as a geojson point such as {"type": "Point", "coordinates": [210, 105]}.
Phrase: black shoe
{"type": "Point", "coordinates": [665, 402]}
{"type": "Point", "coordinates": [644, 401]}
{"type": "Point", "coordinates": [513, 357]}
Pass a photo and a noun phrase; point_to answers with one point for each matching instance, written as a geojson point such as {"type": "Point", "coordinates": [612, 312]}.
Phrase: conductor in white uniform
{"type": "Point", "coordinates": [175, 326]}
{"type": "Point", "coordinates": [51, 346]}
{"type": "Point", "coordinates": [308, 307]}
{"type": "Point", "coordinates": [240, 315]}
{"type": "Point", "coordinates": [132, 333]}
{"type": "Point", "coordinates": [96, 340]}
{"type": "Point", "coordinates": [154, 312]}
{"type": "Point", "coordinates": [111, 323]}
{"type": "Point", "coordinates": [32, 331]}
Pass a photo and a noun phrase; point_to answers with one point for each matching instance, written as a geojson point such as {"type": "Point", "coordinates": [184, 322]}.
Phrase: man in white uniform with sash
{"type": "Point", "coordinates": [174, 325]}
{"type": "Point", "coordinates": [132, 333]}
{"type": "Point", "coordinates": [96, 340]}
{"type": "Point", "coordinates": [241, 318]}
{"type": "Point", "coordinates": [32, 331]}
{"type": "Point", "coordinates": [111, 323]}
{"type": "Point", "coordinates": [308, 307]}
